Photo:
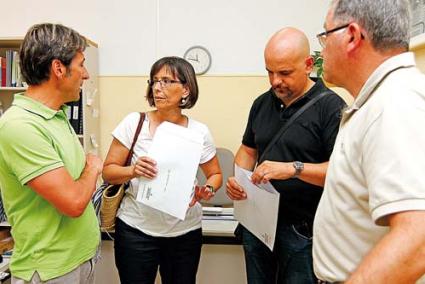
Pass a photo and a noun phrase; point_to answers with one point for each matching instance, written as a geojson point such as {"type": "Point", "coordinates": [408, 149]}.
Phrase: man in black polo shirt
{"type": "Point", "coordinates": [296, 164]}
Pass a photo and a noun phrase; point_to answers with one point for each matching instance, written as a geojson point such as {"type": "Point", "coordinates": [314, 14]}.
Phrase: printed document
{"type": "Point", "coordinates": [177, 152]}
{"type": "Point", "coordinates": [258, 212]}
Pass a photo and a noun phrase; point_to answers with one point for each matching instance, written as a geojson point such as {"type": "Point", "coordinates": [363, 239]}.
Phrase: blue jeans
{"type": "Point", "coordinates": [138, 256]}
{"type": "Point", "coordinates": [291, 261]}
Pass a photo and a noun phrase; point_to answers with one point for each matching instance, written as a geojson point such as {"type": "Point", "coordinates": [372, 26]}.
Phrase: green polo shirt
{"type": "Point", "coordinates": [35, 139]}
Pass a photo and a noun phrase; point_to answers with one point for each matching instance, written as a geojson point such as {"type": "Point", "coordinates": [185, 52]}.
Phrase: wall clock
{"type": "Point", "coordinates": [199, 57]}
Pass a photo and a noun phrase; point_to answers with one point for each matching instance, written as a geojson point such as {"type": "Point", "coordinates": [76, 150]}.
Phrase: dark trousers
{"type": "Point", "coordinates": [291, 261]}
{"type": "Point", "coordinates": [137, 256]}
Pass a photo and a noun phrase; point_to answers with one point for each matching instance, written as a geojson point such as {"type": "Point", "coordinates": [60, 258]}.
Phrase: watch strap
{"type": "Point", "coordinates": [299, 167]}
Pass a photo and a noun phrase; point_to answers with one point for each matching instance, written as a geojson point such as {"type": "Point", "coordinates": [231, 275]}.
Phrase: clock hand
{"type": "Point", "coordinates": [193, 59]}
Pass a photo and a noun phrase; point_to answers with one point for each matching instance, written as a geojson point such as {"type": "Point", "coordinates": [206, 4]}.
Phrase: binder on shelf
{"type": "Point", "coordinates": [80, 114]}
{"type": "Point", "coordinates": [76, 115]}
{"type": "Point", "coordinates": [9, 55]}
{"type": "Point", "coordinates": [3, 71]}
{"type": "Point", "coordinates": [10, 71]}
{"type": "Point", "coordinates": [14, 73]}
{"type": "Point", "coordinates": [19, 78]}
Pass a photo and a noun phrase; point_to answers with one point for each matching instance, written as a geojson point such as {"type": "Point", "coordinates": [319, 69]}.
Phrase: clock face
{"type": "Point", "coordinates": [200, 58]}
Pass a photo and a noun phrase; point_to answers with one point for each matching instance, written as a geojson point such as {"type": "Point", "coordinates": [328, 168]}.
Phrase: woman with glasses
{"type": "Point", "coordinates": [146, 238]}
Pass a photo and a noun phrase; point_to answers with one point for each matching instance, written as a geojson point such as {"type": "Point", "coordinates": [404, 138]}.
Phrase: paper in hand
{"type": "Point", "coordinates": [177, 152]}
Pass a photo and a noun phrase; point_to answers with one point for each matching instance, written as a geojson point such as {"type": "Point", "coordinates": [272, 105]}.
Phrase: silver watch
{"type": "Point", "coordinates": [210, 188]}
{"type": "Point", "coordinates": [299, 167]}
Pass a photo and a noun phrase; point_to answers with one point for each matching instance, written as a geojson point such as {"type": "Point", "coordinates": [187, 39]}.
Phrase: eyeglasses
{"type": "Point", "coordinates": [322, 36]}
{"type": "Point", "coordinates": [164, 83]}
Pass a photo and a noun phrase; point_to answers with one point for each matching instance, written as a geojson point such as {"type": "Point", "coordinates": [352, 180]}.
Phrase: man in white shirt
{"type": "Point", "coordinates": [370, 223]}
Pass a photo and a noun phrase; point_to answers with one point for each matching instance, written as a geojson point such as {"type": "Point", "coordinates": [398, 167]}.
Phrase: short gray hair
{"type": "Point", "coordinates": [42, 44]}
{"type": "Point", "coordinates": [387, 22]}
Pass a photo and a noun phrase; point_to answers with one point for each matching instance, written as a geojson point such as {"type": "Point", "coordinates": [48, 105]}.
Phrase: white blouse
{"type": "Point", "coordinates": [142, 217]}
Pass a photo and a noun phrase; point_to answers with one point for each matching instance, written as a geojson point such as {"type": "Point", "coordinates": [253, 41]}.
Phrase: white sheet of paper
{"type": "Point", "coordinates": [177, 152]}
{"type": "Point", "coordinates": [258, 213]}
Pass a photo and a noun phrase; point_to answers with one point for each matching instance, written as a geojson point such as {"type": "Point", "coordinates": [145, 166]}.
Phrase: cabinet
{"type": "Point", "coordinates": [88, 116]}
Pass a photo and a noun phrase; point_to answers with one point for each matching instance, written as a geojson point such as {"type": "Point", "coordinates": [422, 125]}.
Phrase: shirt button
{"type": "Point", "coordinates": [281, 106]}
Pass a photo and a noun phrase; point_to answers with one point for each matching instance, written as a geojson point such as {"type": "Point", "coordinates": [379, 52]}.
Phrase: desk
{"type": "Point", "coordinates": [219, 232]}
{"type": "Point", "coordinates": [216, 231]}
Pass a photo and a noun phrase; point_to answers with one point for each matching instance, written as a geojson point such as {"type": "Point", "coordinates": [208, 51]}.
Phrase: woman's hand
{"type": "Point", "coordinates": [201, 192]}
{"type": "Point", "coordinates": [145, 167]}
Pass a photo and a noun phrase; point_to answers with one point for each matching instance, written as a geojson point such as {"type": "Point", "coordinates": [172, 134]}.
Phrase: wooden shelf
{"type": "Point", "coordinates": [10, 42]}
{"type": "Point", "coordinates": [13, 89]}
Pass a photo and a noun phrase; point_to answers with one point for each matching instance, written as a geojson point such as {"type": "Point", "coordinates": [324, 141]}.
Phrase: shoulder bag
{"type": "Point", "coordinates": [290, 121]}
{"type": "Point", "coordinates": [238, 230]}
{"type": "Point", "coordinates": [107, 197]}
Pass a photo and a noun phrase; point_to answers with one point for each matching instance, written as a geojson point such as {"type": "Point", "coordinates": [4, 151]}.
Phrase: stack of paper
{"type": "Point", "coordinates": [217, 210]}
{"type": "Point", "coordinates": [217, 213]}
{"type": "Point", "coordinates": [177, 152]}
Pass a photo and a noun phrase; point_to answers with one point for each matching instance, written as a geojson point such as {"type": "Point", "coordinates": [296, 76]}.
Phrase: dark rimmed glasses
{"type": "Point", "coordinates": [322, 36]}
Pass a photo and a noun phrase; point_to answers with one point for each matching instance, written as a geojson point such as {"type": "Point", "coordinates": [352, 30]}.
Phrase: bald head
{"type": "Point", "coordinates": [288, 64]}
{"type": "Point", "coordinates": [288, 42]}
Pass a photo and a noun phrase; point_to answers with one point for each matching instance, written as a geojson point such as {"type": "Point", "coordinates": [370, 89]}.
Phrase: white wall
{"type": "Point", "coordinates": [132, 34]}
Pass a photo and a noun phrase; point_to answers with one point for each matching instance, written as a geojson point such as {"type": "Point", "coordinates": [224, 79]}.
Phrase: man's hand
{"type": "Point", "coordinates": [234, 190]}
{"type": "Point", "coordinates": [67, 195]}
{"type": "Point", "coordinates": [93, 161]}
{"type": "Point", "coordinates": [269, 170]}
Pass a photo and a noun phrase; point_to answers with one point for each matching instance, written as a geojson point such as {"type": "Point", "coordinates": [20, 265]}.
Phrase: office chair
{"type": "Point", "coordinates": [225, 158]}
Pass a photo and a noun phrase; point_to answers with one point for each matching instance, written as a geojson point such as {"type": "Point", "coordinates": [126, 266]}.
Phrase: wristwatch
{"type": "Point", "coordinates": [299, 167]}
{"type": "Point", "coordinates": [210, 188]}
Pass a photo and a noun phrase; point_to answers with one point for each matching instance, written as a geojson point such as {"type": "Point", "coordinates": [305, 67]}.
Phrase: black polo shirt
{"type": "Point", "coordinates": [310, 139]}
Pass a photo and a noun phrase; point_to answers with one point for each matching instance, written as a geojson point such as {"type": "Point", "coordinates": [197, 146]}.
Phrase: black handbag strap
{"type": "Point", "coordinates": [291, 120]}
{"type": "Point", "coordinates": [136, 134]}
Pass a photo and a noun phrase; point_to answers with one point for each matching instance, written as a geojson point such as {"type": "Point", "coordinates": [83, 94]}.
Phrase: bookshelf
{"type": "Point", "coordinates": [89, 121]}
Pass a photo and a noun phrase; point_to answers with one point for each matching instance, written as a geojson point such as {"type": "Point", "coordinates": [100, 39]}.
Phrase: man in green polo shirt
{"type": "Point", "coordinates": [46, 180]}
